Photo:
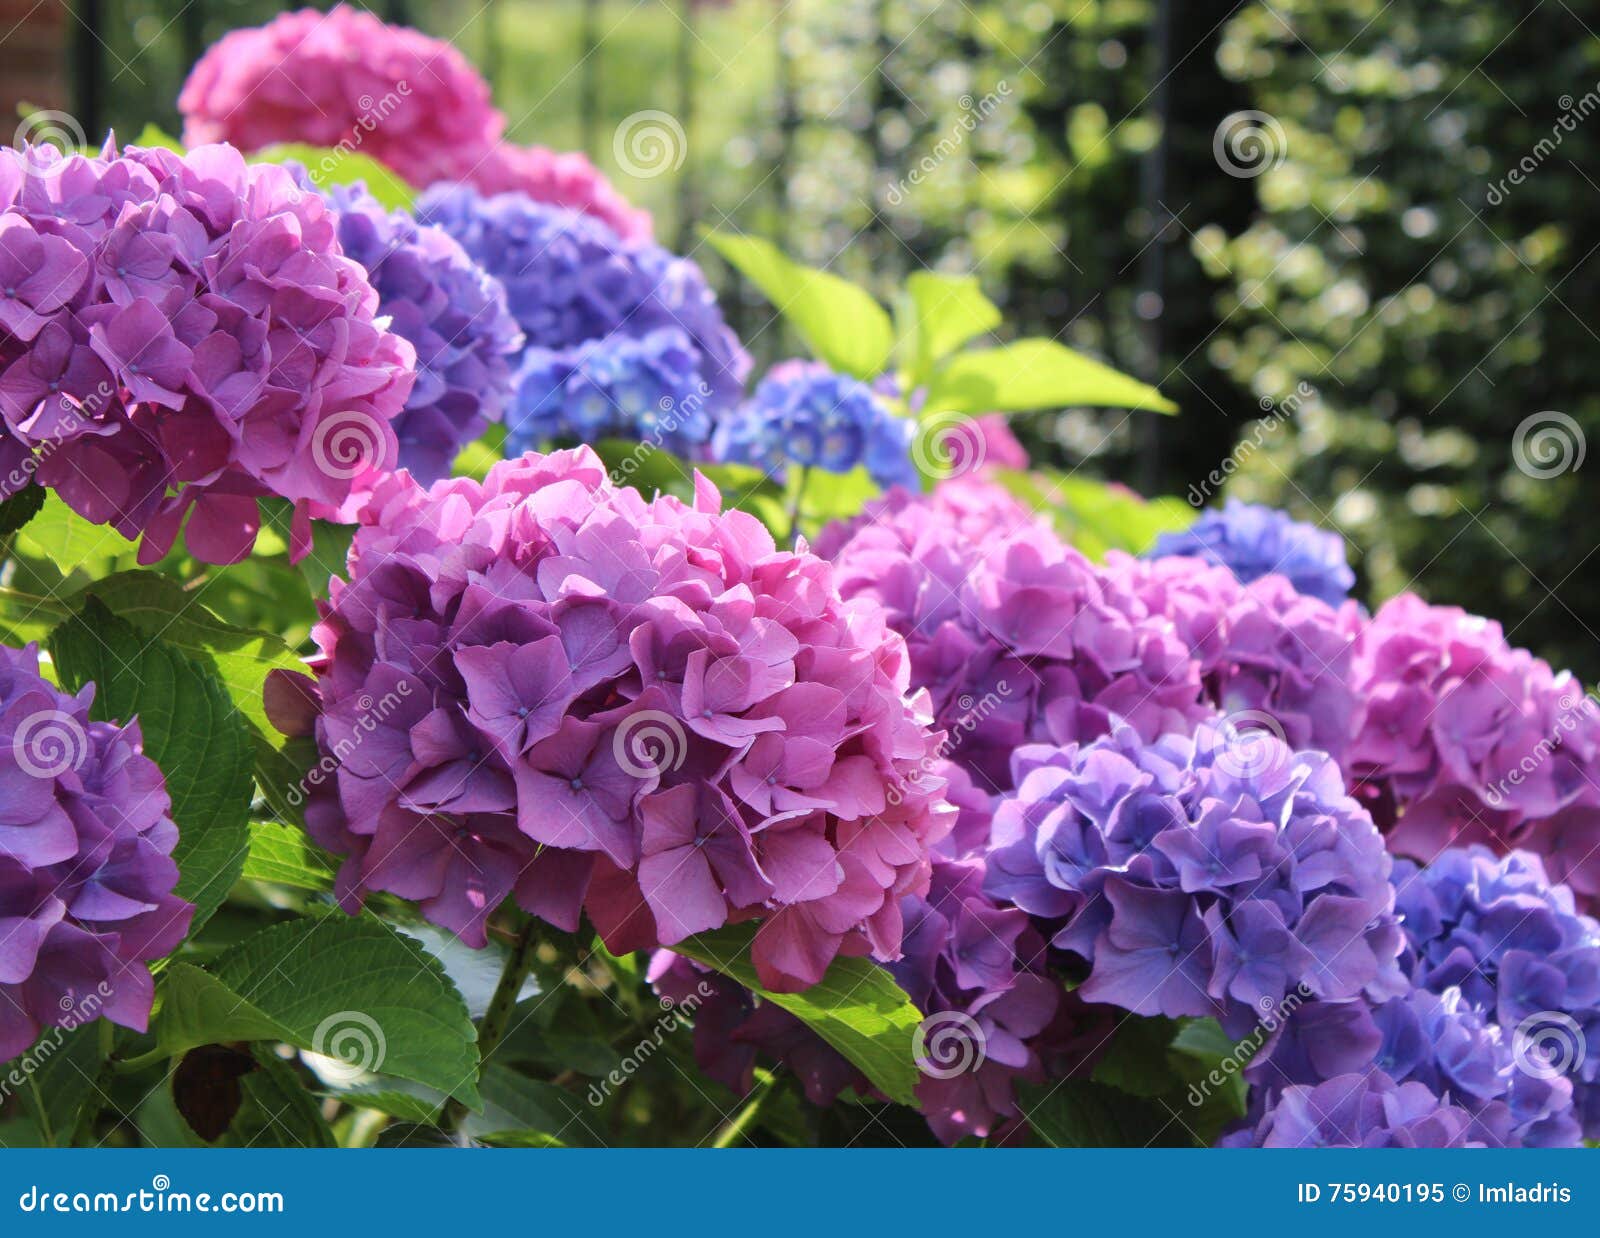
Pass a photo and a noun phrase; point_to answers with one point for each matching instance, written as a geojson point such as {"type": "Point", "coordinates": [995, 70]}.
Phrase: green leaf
{"type": "Point", "coordinates": [1079, 1113]}
{"type": "Point", "coordinates": [62, 1075]}
{"type": "Point", "coordinates": [421, 1108]}
{"type": "Point", "coordinates": [1097, 516]}
{"type": "Point", "coordinates": [20, 508]}
{"type": "Point", "coordinates": [941, 313]}
{"type": "Point", "coordinates": [359, 991]}
{"type": "Point", "coordinates": [333, 166]}
{"type": "Point", "coordinates": [194, 1008]}
{"type": "Point", "coordinates": [159, 606]}
{"type": "Point", "coordinates": [513, 1104]}
{"type": "Point", "coordinates": [155, 135]}
{"type": "Point", "coordinates": [68, 541]}
{"type": "Point", "coordinates": [856, 1007]}
{"type": "Point", "coordinates": [191, 730]}
{"type": "Point", "coordinates": [279, 1111]}
{"type": "Point", "coordinates": [840, 322]}
{"type": "Point", "coordinates": [1033, 374]}
{"type": "Point", "coordinates": [284, 856]}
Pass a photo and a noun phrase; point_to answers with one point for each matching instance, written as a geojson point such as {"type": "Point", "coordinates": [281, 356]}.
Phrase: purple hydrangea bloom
{"type": "Point", "coordinates": [1199, 876]}
{"type": "Point", "coordinates": [86, 870]}
{"type": "Point", "coordinates": [1016, 635]}
{"type": "Point", "coordinates": [1367, 1110]}
{"type": "Point", "coordinates": [543, 686]}
{"type": "Point", "coordinates": [623, 339]}
{"type": "Point", "coordinates": [1464, 739]}
{"type": "Point", "coordinates": [1269, 656]}
{"type": "Point", "coordinates": [1253, 541]}
{"type": "Point", "coordinates": [181, 335]}
{"type": "Point", "coordinates": [803, 413]}
{"type": "Point", "coordinates": [454, 314]}
{"type": "Point", "coordinates": [1520, 954]}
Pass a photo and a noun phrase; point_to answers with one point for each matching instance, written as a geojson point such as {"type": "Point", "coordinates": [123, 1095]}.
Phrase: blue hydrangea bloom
{"type": "Point", "coordinates": [623, 339]}
{"type": "Point", "coordinates": [1520, 954]}
{"type": "Point", "coordinates": [1252, 541]}
{"type": "Point", "coordinates": [1366, 1110]}
{"type": "Point", "coordinates": [1213, 875]}
{"type": "Point", "coordinates": [804, 413]}
{"type": "Point", "coordinates": [453, 312]}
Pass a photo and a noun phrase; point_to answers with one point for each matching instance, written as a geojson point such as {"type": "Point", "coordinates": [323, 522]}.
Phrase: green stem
{"type": "Point", "coordinates": [497, 1018]}
{"type": "Point", "coordinates": [133, 1065]}
{"type": "Point", "coordinates": [797, 493]}
{"type": "Point", "coordinates": [732, 1130]}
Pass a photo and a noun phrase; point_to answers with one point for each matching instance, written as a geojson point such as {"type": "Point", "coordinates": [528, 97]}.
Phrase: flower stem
{"type": "Point", "coordinates": [797, 492]}
{"type": "Point", "coordinates": [496, 1019]}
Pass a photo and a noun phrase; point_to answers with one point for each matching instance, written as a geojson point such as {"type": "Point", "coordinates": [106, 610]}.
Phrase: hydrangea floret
{"type": "Point", "coordinates": [1253, 541]}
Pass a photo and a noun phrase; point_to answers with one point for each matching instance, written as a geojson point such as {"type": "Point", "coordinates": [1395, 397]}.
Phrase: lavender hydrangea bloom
{"type": "Point", "coordinates": [86, 871]}
{"type": "Point", "coordinates": [1367, 1110]}
{"type": "Point", "coordinates": [1518, 951]}
{"type": "Point", "coordinates": [181, 335]}
{"type": "Point", "coordinates": [1018, 637]}
{"type": "Point", "coordinates": [623, 339]}
{"type": "Point", "coordinates": [1199, 876]}
{"type": "Point", "coordinates": [545, 687]}
{"type": "Point", "coordinates": [1253, 541]}
{"type": "Point", "coordinates": [1269, 656]}
{"type": "Point", "coordinates": [803, 413]}
{"type": "Point", "coordinates": [454, 314]}
{"type": "Point", "coordinates": [1464, 739]}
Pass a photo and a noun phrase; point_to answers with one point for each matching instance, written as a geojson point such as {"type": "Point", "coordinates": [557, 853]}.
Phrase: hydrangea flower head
{"type": "Point", "coordinates": [561, 178]}
{"type": "Point", "coordinates": [1253, 541]}
{"type": "Point", "coordinates": [344, 79]}
{"type": "Point", "coordinates": [1016, 635]}
{"type": "Point", "coordinates": [1464, 739]}
{"type": "Point", "coordinates": [1269, 656]}
{"type": "Point", "coordinates": [451, 311]}
{"type": "Point", "coordinates": [622, 338]}
{"type": "Point", "coordinates": [86, 870]}
{"type": "Point", "coordinates": [1199, 876]}
{"type": "Point", "coordinates": [180, 335]}
{"type": "Point", "coordinates": [1518, 951]}
{"type": "Point", "coordinates": [804, 413]}
{"type": "Point", "coordinates": [1366, 1110]}
{"type": "Point", "coordinates": [545, 687]}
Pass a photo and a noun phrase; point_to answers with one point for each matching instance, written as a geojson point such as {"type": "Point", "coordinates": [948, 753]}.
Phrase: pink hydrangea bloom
{"type": "Point", "coordinates": [344, 78]}
{"type": "Point", "coordinates": [1017, 636]}
{"type": "Point", "coordinates": [1270, 658]}
{"type": "Point", "coordinates": [1465, 739]}
{"type": "Point", "coordinates": [546, 687]}
{"type": "Point", "coordinates": [561, 178]}
{"type": "Point", "coordinates": [181, 335]}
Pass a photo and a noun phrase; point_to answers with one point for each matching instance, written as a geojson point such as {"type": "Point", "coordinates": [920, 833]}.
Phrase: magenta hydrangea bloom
{"type": "Point", "coordinates": [1269, 657]}
{"type": "Point", "coordinates": [454, 315]}
{"type": "Point", "coordinates": [1464, 739]}
{"type": "Point", "coordinates": [180, 335]}
{"type": "Point", "coordinates": [1366, 1110]}
{"type": "Point", "coordinates": [545, 686]}
{"type": "Point", "coordinates": [560, 178]}
{"type": "Point", "coordinates": [344, 79]}
{"type": "Point", "coordinates": [86, 870]}
{"type": "Point", "coordinates": [1016, 635]}
{"type": "Point", "coordinates": [1199, 876]}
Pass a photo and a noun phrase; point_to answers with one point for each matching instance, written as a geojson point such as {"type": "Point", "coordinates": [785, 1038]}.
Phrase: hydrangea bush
{"type": "Point", "coordinates": [852, 779]}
